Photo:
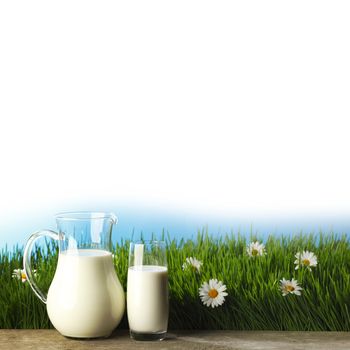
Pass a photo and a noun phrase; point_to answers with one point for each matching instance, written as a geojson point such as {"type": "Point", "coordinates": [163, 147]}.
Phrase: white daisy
{"type": "Point", "coordinates": [290, 287]}
{"type": "Point", "coordinates": [21, 274]}
{"type": "Point", "coordinates": [192, 263]}
{"type": "Point", "coordinates": [307, 259]}
{"type": "Point", "coordinates": [256, 249]}
{"type": "Point", "coordinates": [212, 293]}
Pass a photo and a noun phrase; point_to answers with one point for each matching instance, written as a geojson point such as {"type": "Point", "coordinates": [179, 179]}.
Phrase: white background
{"type": "Point", "coordinates": [206, 106]}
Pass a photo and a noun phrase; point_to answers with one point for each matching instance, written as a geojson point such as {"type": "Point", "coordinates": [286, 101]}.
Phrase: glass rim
{"type": "Point", "coordinates": [85, 215]}
{"type": "Point", "coordinates": [149, 242]}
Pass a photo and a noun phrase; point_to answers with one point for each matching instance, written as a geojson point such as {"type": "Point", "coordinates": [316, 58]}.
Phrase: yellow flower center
{"type": "Point", "coordinates": [306, 262]}
{"type": "Point", "coordinates": [255, 252]}
{"type": "Point", "coordinates": [23, 275]}
{"type": "Point", "coordinates": [290, 288]}
{"type": "Point", "coordinates": [213, 293]}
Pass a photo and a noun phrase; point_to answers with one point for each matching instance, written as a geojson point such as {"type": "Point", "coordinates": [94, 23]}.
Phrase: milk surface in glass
{"type": "Point", "coordinates": [147, 299]}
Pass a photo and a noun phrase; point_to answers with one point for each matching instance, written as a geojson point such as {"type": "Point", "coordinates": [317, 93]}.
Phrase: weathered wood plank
{"type": "Point", "coordinates": [11, 339]}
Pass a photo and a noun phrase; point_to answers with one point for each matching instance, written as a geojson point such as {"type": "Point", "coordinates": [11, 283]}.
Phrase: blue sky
{"type": "Point", "coordinates": [179, 224]}
{"type": "Point", "coordinates": [236, 112]}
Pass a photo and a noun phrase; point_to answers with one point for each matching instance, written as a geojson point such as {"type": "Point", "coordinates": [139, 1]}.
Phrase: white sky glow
{"type": "Point", "coordinates": [229, 108]}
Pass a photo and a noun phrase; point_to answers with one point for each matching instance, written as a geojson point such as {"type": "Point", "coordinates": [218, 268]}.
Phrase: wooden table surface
{"type": "Point", "coordinates": [12, 339]}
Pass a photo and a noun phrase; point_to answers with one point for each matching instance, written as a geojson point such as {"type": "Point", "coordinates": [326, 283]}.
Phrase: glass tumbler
{"type": "Point", "coordinates": [147, 290]}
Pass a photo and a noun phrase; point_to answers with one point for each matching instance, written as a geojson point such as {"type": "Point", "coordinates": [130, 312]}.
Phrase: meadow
{"type": "Point", "coordinates": [254, 300]}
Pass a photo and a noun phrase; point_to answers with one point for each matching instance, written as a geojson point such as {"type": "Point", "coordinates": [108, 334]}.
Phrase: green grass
{"type": "Point", "coordinates": [254, 300]}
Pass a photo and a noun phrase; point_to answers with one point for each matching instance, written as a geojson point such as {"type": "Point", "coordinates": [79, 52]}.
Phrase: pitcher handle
{"type": "Point", "coordinates": [27, 263]}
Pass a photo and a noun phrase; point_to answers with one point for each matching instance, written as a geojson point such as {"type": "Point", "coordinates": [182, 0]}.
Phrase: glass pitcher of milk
{"type": "Point", "coordinates": [85, 298]}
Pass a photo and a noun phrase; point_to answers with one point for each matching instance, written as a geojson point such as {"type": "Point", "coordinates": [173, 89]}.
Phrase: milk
{"type": "Point", "coordinates": [147, 299]}
{"type": "Point", "coordinates": [85, 298]}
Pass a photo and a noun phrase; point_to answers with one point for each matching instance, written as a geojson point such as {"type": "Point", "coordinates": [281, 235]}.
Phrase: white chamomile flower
{"type": "Point", "coordinates": [256, 249]}
{"type": "Point", "coordinates": [212, 293]}
{"type": "Point", "coordinates": [290, 287]}
{"type": "Point", "coordinates": [307, 259]}
{"type": "Point", "coordinates": [21, 274]}
{"type": "Point", "coordinates": [192, 263]}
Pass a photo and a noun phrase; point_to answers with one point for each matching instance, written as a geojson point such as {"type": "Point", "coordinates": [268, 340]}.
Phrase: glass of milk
{"type": "Point", "coordinates": [147, 290]}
